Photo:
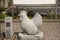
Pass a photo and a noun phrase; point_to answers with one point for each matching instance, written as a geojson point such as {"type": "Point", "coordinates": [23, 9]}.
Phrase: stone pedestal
{"type": "Point", "coordinates": [38, 36]}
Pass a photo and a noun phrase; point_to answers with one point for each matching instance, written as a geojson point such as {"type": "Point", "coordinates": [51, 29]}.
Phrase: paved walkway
{"type": "Point", "coordinates": [51, 31]}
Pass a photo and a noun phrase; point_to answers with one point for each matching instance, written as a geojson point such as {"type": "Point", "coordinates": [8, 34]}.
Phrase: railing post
{"type": "Point", "coordinates": [12, 10]}
{"type": "Point", "coordinates": [56, 9]}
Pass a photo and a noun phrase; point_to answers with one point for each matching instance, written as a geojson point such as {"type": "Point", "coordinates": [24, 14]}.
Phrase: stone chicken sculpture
{"type": "Point", "coordinates": [30, 26]}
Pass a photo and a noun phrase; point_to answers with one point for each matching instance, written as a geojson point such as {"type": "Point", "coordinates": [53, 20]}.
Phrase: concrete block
{"type": "Point", "coordinates": [38, 36]}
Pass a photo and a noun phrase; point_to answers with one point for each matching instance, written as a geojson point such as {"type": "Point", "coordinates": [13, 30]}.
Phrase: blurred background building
{"type": "Point", "coordinates": [5, 3]}
{"type": "Point", "coordinates": [43, 9]}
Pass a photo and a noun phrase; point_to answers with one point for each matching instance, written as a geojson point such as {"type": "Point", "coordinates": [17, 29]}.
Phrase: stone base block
{"type": "Point", "coordinates": [38, 36]}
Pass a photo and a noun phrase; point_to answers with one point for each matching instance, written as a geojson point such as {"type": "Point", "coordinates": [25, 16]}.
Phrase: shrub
{"type": "Point", "coordinates": [2, 16]}
{"type": "Point", "coordinates": [16, 17]}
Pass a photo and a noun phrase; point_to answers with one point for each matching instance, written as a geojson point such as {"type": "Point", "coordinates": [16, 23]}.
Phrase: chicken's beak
{"type": "Point", "coordinates": [20, 16]}
{"type": "Point", "coordinates": [20, 19]}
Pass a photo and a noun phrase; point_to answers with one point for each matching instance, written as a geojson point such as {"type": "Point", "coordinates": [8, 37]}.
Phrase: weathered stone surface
{"type": "Point", "coordinates": [28, 25]}
{"type": "Point", "coordinates": [38, 36]}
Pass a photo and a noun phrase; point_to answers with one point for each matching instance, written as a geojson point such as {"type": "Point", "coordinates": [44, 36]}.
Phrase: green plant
{"type": "Point", "coordinates": [2, 16]}
{"type": "Point", "coordinates": [58, 16]}
{"type": "Point", "coordinates": [1, 9]}
{"type": "Point", "coordinates": [16, 17]}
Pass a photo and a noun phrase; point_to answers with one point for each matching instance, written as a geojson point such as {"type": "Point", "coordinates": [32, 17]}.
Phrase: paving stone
{"type": "Point", "coordinates": [51, 30]}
